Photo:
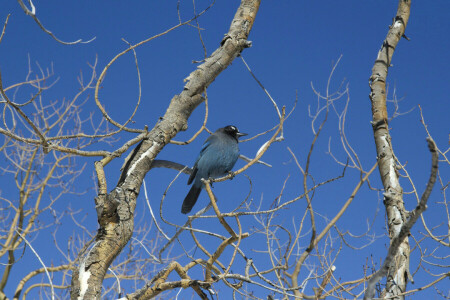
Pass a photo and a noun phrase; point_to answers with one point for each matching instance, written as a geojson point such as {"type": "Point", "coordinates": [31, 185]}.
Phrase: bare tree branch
{"type": "Point", "coordinates": [406, 228]}
{"type": "Point", "coordinates": [32, 13]}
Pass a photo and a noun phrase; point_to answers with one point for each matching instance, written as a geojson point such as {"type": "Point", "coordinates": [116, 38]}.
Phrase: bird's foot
{"type": "Point", "coordinates": [232, 174]}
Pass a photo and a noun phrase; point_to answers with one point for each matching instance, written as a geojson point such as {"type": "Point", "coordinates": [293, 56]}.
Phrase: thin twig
{"type": "Point", "coordinates": [42, 263]}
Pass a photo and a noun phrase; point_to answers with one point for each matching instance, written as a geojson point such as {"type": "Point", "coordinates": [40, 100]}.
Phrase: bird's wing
{"type": "Point", "coordinates": [194, 172]}
{"type": "Point", "coordinates": [202, 151]}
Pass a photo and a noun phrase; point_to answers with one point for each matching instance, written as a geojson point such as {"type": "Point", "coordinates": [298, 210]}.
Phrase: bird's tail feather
{"type": "Point", "coordinates": [190, 199]}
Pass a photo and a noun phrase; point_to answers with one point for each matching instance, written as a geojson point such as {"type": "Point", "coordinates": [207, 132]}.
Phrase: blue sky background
{"type": "Point", "coordinates": [295, 43]}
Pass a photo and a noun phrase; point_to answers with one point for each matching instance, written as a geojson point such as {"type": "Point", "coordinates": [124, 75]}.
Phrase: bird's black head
{"type": "Point", "coordinates": [232, 131]}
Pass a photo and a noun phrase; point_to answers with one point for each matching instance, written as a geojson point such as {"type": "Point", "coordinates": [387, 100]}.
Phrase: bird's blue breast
{"type": "Point", "coordinates": [217, 158]}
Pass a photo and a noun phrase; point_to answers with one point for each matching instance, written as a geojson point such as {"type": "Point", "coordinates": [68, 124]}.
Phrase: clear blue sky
{"type": "Point", "coordinates": [294, 43]}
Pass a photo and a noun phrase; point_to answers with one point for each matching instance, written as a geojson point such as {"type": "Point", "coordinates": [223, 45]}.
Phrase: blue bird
{"type": "Point", "coordinates": [217, 157]}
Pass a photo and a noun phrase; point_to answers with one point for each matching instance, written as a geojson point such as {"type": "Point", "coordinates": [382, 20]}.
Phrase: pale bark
{"type": "Point", "coordinates": [412, 218]}
{"type": "Point", "coordinates": [398, 273]}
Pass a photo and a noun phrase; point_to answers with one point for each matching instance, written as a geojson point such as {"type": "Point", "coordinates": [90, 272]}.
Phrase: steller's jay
{"type": "Point", "coordinates": [217, 157]}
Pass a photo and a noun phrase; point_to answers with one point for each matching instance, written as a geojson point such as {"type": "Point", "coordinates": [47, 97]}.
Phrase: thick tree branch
{"type": "Point", "coordinates": [387, 163]}
{"type": "Point", "coordinates": [406, 228]}
{"type": "Point", "coordinates": [116, 210]}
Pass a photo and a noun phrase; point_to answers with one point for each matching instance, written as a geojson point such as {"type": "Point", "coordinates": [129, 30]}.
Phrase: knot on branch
{"type": "Point", "coordinates": [387, 45]}
{"type": "Point", "coordinates": [247, 44]}
{"type": "Point", "coordinates": [379, 124]}
{"type": "Point", "coordinates": [399, 19]}
{"type": "Point", "coordinates": [185, 283]}
{"type": "Point", "coordinates": [225, 38]}
{"type": "Point", "coordinates": [392, 198]}
{"type": "Point", "coordinates": [106, 206]}
{"type": "Point", "coordinates": [240, 42]}
{"type": "Point", "coordinates": [376, 77]}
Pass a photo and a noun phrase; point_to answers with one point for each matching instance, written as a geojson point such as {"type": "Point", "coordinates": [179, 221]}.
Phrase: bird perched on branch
{"type": "Point", "coordinates": [217, 157]}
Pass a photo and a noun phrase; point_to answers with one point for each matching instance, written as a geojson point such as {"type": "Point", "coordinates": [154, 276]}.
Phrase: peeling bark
{"type": "Point", "coordinates": [116, 209]}
{"type": "Point", "coordinates": [398, 273]}
{"type": "Point", "coordinates": [407, 226]}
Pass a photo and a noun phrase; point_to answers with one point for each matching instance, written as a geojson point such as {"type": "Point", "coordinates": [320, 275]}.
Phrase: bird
{"type": "Point", "coordinates": [217, 157]}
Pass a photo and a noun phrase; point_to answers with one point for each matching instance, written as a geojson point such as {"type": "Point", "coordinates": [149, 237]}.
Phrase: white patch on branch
{"type": "Point", "coordinates": [398, 216]}
{"type": "Point", "coordinates": [83, 278]}
{"type": "Point", "coordinates": [261, 148]}
{"type": "Point", "coordinates": [398, 24]}
{"type": "Point", "coordinates": [145, 154]}
{"type": "Point", "coordinates": [83, 275]}
{"type": "Point", "coordinates": [398, 275]}
{"type": "Point", "coordinates": [392, 174]}
{"type": "Point", "coordinates": [393, 181]}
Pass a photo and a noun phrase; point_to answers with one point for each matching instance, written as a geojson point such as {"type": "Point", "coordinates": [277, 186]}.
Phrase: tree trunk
{"type": "Point", "coordinates": [387, 163]}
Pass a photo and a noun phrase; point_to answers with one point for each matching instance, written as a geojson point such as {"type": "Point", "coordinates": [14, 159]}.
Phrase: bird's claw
{"type": "Point", "coordinates": [232, 174]}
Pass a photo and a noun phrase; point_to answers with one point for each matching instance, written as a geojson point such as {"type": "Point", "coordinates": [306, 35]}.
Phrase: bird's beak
{"type": "Point", "coordinates": [239, 134]}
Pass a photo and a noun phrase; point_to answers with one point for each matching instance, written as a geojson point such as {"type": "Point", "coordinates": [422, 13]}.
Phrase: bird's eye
{"type": "Point", "coordinates": [234, 128]}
